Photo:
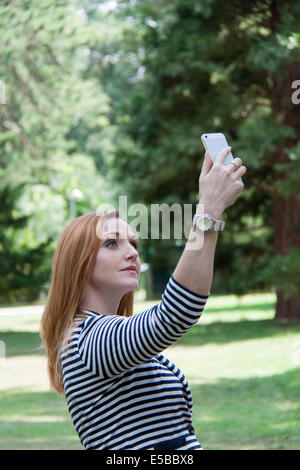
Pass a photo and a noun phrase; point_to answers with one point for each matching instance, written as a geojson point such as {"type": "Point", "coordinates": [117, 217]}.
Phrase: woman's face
{"type": "Point", "coordinates": [118, 250]}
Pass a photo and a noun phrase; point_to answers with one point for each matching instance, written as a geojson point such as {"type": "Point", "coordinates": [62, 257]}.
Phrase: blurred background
{"type": "Point", "coordinates": [100, 99]}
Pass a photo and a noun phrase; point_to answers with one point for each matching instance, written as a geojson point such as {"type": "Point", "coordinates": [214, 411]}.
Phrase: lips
{"type": "Point", "coordinates": [130, 268]}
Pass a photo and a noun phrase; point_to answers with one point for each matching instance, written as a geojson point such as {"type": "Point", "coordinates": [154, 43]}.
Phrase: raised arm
{"type": "Point", "coordinates": [219, 186]}
{"type": "Point", "coordinates": [110, 344]}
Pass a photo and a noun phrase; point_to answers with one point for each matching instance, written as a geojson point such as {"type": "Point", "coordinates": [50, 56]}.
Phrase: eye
{"type": "Point", "coordinates": [110, 241]}
{"type": "Point", "coordinates": [135, 244]}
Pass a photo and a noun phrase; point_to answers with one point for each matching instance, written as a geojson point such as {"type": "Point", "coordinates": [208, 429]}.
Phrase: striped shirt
{"type": "Point", "coordinates": [121, 392]}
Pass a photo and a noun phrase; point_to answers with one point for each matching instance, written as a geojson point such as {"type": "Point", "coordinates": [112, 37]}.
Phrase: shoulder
{"type": "Point", "coordinates": [96, 322]}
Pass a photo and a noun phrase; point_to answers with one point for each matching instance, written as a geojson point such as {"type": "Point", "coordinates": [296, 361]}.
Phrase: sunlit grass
{"type": "Point", "coordinates": [242, 367]}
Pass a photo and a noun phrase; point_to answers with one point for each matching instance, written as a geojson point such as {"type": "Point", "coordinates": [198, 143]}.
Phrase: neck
{"type": "Point", "coordinates": [106, 304]}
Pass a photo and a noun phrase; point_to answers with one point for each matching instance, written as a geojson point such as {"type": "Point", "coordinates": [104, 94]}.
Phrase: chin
{"type": "Point", "coordinates": [133, 286]}
{"type": "Point", "coordinates": [130, 284]}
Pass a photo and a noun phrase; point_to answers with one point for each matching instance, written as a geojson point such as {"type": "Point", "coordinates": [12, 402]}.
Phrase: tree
{"type": "Point", "coordinates": [43, 46]}
{"type": "Point", "coordinates": [24, 271]}
{"type": "Point", "coordinates": [211, 66]}
{"type": "Point", "coordinates": [53, 124]}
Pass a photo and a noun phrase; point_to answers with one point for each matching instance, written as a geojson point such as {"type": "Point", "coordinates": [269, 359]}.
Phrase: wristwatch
{"type": "Point", "coordinates": [207, 223]}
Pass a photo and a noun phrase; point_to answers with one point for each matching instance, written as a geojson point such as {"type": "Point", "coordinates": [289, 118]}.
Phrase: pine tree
{"type": "Point", "coordinates": [214, 66]}
{"type": "Point", "coordinates": [23, 270]}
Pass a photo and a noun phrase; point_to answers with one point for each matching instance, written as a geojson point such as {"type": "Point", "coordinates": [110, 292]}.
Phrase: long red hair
{"type": "Point", "coordinates": [72, 267]}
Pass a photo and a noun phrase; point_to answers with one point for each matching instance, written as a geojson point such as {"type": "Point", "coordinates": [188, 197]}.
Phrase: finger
{"type": "Point", "coordinates": [220, 158]}
{"type": "Point", "coordinates": [238, 162]}
{"type": "Point", "coordinates": [239, 173]}
{"type": "Point", "coordinates": [207, 164]}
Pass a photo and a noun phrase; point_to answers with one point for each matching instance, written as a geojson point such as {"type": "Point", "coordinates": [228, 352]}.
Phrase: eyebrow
{"type": "Point", "coordinates": [118, 236]}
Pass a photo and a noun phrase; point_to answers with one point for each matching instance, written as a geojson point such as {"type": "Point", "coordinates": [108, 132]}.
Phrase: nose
{"type": "Point", "coordinates": [132, 252]}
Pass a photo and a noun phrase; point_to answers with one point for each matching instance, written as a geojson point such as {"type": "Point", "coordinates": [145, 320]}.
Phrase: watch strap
{"type": "Point", "coordinates": [217, 225]}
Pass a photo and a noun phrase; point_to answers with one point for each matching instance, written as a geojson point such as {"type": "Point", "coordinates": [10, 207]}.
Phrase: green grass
{"type": "Point", "coordinates": [242, 366]}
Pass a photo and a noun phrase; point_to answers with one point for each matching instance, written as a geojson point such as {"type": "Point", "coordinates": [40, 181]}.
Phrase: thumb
{"type": "Point", "coordinates": [207, 164]}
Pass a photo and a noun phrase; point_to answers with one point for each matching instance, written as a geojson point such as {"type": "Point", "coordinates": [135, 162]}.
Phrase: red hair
{"type": "Point", "coordinates": [72, 268]}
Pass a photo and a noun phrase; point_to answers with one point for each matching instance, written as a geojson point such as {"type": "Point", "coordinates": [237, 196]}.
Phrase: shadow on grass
{"type": "Point", "coordinates": [267, 306]}
{"type": "Point", "coordinates": [261, 412]}
{"type": "Point", "coordinates": [36, 420]}
{"type": "Point", "coordinates": [228, 332]}
{"type": "Point", "coordinates": [256, 412]}
{"type": "Point", "coordinates": [22, 343]}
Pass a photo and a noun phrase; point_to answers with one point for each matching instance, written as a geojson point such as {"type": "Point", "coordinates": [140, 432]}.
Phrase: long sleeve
{"type": "Point", "coordinates": [110, 344]}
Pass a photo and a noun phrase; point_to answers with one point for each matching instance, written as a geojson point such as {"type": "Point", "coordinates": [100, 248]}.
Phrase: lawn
{"type": "Point", "coordinates": [243, 369]}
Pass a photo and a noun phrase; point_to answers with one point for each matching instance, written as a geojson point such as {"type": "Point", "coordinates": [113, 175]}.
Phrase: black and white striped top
{"type": "Point", "coordinates": [122, 393]}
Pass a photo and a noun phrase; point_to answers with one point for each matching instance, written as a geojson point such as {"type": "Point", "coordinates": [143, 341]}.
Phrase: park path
{"type": "Point", "coordinates": [21, 310]}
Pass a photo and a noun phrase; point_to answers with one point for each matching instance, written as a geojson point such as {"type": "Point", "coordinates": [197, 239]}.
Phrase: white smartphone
{"type": "Point", "coordinates": [214, 143]}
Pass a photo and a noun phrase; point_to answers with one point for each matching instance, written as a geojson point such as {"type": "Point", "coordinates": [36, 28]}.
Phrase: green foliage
{"type": "Point", "coordinates": [240, 266]}
{"type": "Point", "coordinates": [115, 103]}
{"type": "Point", "coordinates": [290, 173]}
{"type": "Point", "coordinates": [54, 133]}
{"type": "Point", "coordinates": [210, 66]}
{"type": "Point", "coordinates": [24, 270]}
{"type": "Point", "coordinates": [284, 271]}
{"type": "Point", "coordinates": [51, 110]}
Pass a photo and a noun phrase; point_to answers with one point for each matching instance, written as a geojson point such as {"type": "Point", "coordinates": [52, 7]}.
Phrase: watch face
{"type": "Point", "coordinates": [204, 223]}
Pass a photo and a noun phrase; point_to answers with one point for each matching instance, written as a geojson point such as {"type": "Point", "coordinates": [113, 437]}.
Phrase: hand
{"type": "Point", "coordinates": [219, 184]}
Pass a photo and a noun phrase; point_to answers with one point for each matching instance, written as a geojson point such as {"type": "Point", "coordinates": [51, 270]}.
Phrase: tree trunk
{"type": "Point", "coordinates": [286, 215]}
{"type": "Point", "coordinates": [287, 310]}
{"type": "Point", "coordinates": [286, 235]}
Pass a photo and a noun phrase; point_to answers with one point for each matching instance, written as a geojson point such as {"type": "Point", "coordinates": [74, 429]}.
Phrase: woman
{"type": "Point", "coordinates": [121, 391]}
